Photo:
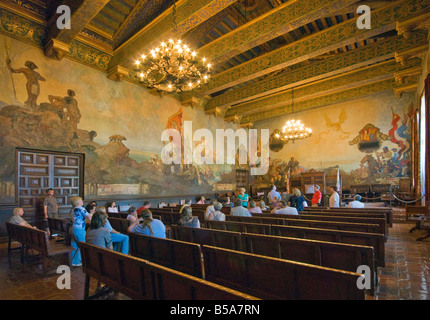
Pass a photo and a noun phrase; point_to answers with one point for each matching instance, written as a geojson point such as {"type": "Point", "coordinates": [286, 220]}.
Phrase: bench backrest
{"type": "Point", "coordinates": [203, 236]}
{"type": "Point", "coordinates": [327, 254]}
{"type": "Point", "coordinates": [380, 221]}
{"type": "Point", "coordinates": [141, 279]}
{"type": "Point", "coordinates": [30, 237]}
{"type": "Point", "coordinates": [236, 226]}
{"type": "Point", "coordinates": [271, 278]}
{"type": "Point", "coordinates": [174, 254]}
{"type": "Point", "coordinates": [374, 240]}
{"type": "Point", "coordinates": [120, 225]}
{"type": "Point", "coordinates": [61, 226]}
{"type": "Point", "coordinates": [359, 227]}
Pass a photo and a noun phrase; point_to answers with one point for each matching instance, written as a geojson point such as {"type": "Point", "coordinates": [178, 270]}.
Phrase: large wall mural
{"type": "Point", "coordinates": [368, 140]}
{"type": "Point", "coordinates": [64, 106]}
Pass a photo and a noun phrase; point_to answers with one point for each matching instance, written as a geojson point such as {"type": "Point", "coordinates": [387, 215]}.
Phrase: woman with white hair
{"type": "Point", "coordinates": [79, 233]}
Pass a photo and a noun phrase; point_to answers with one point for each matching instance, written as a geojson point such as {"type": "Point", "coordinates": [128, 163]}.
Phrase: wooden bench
{"type": "Point", "coordinates": [358, 227]}
{"type": "Point", "coordinates": [120, 225]}
{"type": "Point", "coordinates": [387, 213]}
{"type": "Point", "coordinates": [270, 278]}
{"type": "Point", "coordinates": [170, 218]}
{"type": "Point", "coordinates": [178, 255]}
{"type": "Point", "coordinates": [327, 254]}
{"type": "Point", "coordinates": [37, 240]}
{"type": "Point", "coordinates": [374, 240]}
{"type": "Point", "coordinates": [381, 222]}
{"type": "Point", "coordinates": [143, 280]}
{"type": "Point", "coordinates": [203, 236]}
{"type": "Point", "coordinates": [237, 226]}
{"type": "Point", "coordinates": [421, 215]}
{"type": "Point", "coordinates": [62, 227]}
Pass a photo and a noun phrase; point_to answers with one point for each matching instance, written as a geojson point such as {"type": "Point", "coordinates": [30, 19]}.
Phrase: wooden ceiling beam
{"type": "Point", "coordinates": [334, 64]}
{"type": "Point", "coordinates": [276, 22]}
{"type": "Point", "coordinates": [339, 35]}
{"type": "Point", "coordinates": [82, 12]}
{"type": "Point", "coordinates": [189, 14]}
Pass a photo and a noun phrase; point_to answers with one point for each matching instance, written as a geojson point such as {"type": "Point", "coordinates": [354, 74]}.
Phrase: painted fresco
{"type": "Point", "coordinates": [368, 140]}
{"type": "Point", "coordinates": [64, 106]}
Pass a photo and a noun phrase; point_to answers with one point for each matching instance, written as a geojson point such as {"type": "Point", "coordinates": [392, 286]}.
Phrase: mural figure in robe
{"type": "Point", "coordinates": [32, 85]}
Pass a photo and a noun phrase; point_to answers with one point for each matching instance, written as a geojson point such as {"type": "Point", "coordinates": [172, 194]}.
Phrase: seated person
{"type": "Point", "coordinates": [187, 220]}
{"type": "Point", "coordinates": [217, 215]}
{"type": "Point", "coordinates": [148, 226]}
{"type": "Point", "coordinates": [239, 210]}
{"type": "Point", "coordinates": [202, 200]}
{"type": "Point", "coordinates": [356, 203]}
{"type": "Point", "coordinates": [97, 234]}
{"type": "Point", "coordinates": [132, 214]}
{"type": "Point", "coordinates": [228, 203]}
{"type": "Point", "coordinates": [91, 209]}
{"type": "Point", "coordinates": [187, 203]}
{"type": "Point", "coordinates": [253, 207]}
{"type": "Point", "coordinates": [285, 209]}
{"type": "Point", "coordinates": [111, 208]}
{"type": "Point", "coordinates": [263, 206]}
{"type": "Point", "coordinates": [120, 241]}
{"type": "Point", "coordinates": [18, 219]}
{"type": "Point", "coordinates": [210, 208]}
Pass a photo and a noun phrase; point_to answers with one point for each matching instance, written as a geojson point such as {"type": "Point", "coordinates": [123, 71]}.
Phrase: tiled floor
{"type": "Point", "coordinates": [406, 275]}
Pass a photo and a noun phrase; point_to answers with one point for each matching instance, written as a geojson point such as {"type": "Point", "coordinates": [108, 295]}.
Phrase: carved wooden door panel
{"type": "Point", "coordinates": [39, 170]}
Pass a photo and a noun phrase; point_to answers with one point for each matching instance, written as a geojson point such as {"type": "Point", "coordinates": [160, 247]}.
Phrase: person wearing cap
{"type": "Point", "coordinates": [356, 203]}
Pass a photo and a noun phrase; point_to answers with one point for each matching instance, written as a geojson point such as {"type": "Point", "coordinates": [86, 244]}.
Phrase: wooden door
{"type": "Point", "coordinates": [39, 170]}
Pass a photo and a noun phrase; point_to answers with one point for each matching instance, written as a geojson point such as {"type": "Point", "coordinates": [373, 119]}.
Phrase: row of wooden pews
{"type": "Point", "coordinates": [214, 256]}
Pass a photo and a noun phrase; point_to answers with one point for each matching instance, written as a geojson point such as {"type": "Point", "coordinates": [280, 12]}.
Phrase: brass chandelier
{"type": "Point", "coordinates": [172, 66]}
{"type": "Point", "coordinates": [293, 129]}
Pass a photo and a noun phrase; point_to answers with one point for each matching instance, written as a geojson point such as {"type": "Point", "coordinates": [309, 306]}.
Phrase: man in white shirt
{"type": "Point", "coordinates": [239, 210]}
{"type": "Point", "coordinates": [334, 198]}
{"type": "Point", "coordinates": [285, 209]}
{"type": "Point", "coordinates": [273, 194]}
{"type": "Point", "coordinates": [356, 203]}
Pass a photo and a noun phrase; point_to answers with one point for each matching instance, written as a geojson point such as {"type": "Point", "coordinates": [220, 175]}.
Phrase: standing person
{"type": "Point", "coordinates": [78, 234]}
{"type": "Point", "coordinates": [316, 199]}
{"type": "Point", "coordinates": [273, 194]}
{"type": "Point", "coordinates": [334, 198]}
{"type": "Point", "coordinates": [146, 205]}
{"type": "Point", "coordinates": [50, 206]}
{"type": "Point", "coordinates": [217, 215]}
{"type": "Point", "coordinates": [297, 200]}
{"type": "Point", "coordinates": [356, 203]}
{"type": "Point", "coordinates": [244, 197]}
{"type": "Point", "coordinates": [32, 85]}
{"type": "Point", "coordinates": [187, 220]}
{"type": "Point", "coordinates": [148, 226]}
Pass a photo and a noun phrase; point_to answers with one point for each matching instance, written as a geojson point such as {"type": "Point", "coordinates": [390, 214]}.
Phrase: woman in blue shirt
{"type": "Point", "coordinates": [79, 217]}
{"type": "Point", "coordinates": [244, 197]}
{"type": "Point", "coordinates": [148, 226]}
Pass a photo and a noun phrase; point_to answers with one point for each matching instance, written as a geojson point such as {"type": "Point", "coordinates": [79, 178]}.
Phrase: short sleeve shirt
{"type": "Point", "coordinates": [51, 204]}
{"type": "Point", "coordinates": [17, 220]}
{"type": "Point", "coordinates": [79, 215]}
{"type": "Point", "coordinates": [99, 237]}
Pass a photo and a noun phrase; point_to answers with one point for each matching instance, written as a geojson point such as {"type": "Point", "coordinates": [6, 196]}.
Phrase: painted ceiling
{"type": "Point", "coordinates": [270, 57]}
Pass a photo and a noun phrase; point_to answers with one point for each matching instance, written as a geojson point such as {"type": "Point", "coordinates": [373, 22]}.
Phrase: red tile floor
{"type": "Point", "coordinates": [405, 276]}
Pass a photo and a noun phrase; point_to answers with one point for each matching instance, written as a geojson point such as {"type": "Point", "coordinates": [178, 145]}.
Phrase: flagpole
{"type": "Point", "coordinates": [11, 77]}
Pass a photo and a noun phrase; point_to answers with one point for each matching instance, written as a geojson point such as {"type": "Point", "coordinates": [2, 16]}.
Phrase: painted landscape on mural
{"type": "Point", "coordinates": [64, 121]}
{"type": "Point", "coordinates": [373, 155]}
